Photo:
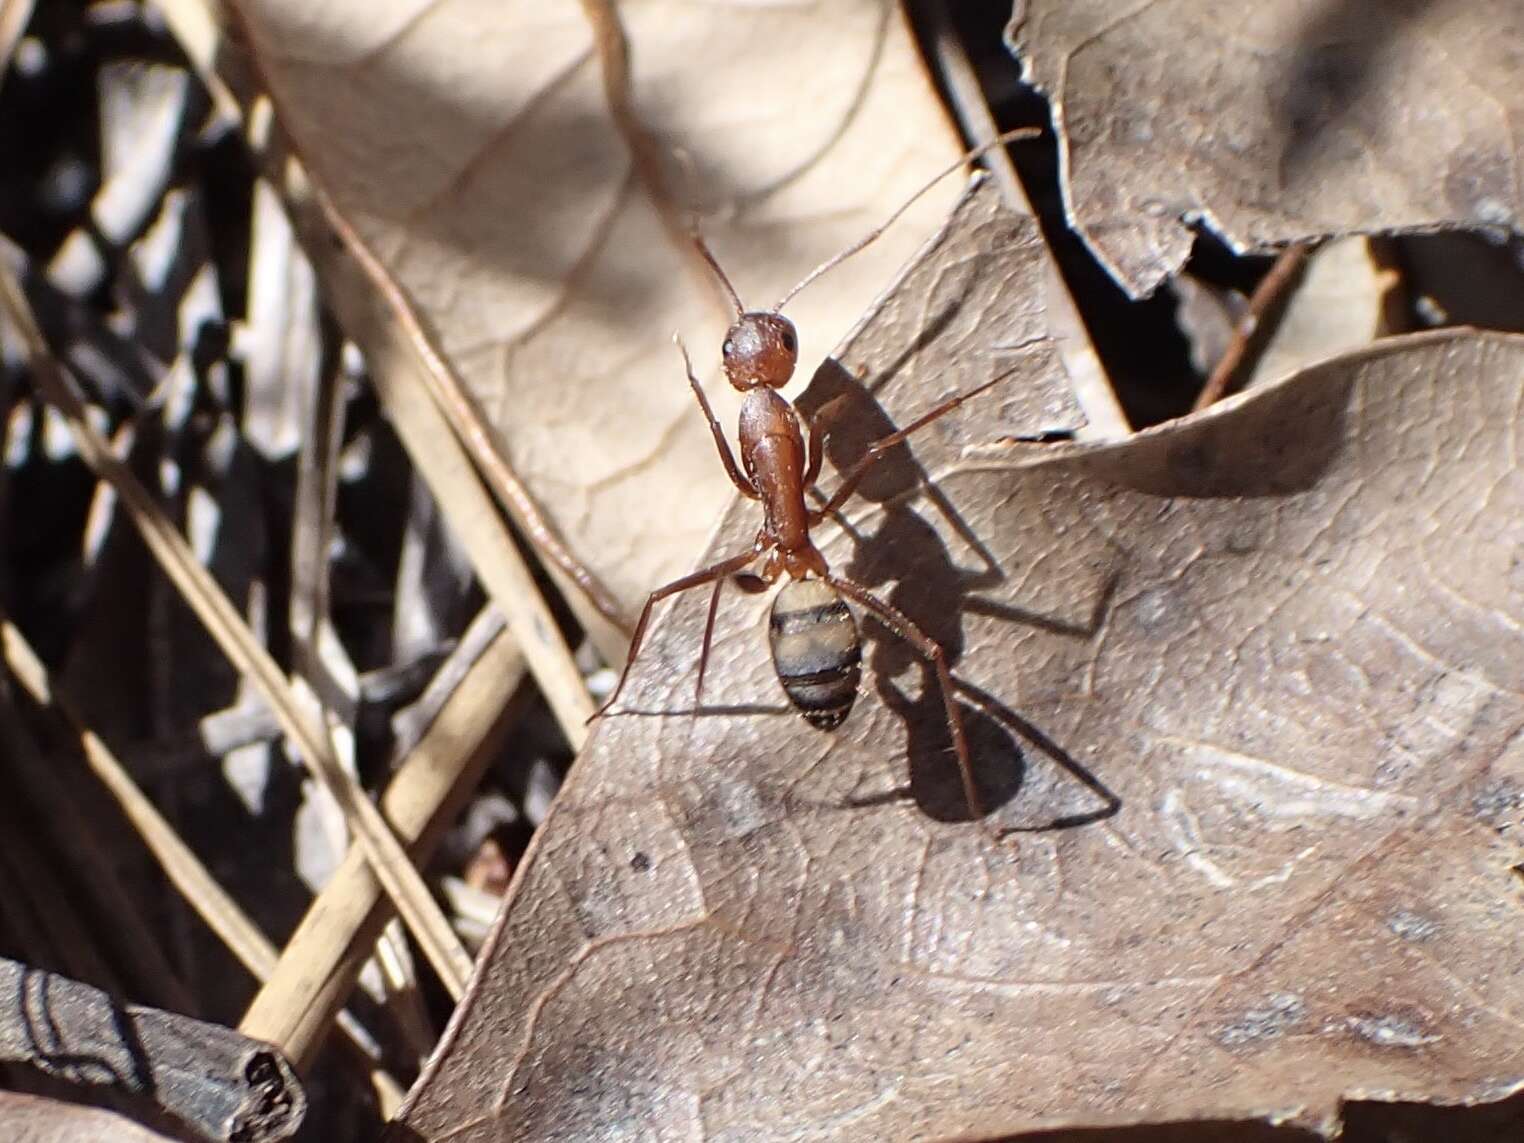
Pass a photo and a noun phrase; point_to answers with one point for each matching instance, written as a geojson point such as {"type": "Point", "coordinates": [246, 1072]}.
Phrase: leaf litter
{"type": "Point", "coordinates": [475, 149]}
{"type": "Point", "coordinates": [1239, 686]}
{"type": "Point", "coordinates": [1255, 766]}
{"type": "Point", "coordinates": [1276, 123]}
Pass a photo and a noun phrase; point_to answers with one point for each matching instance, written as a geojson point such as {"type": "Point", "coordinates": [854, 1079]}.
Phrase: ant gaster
{"type": "Point", "coordinates": [815, 647]}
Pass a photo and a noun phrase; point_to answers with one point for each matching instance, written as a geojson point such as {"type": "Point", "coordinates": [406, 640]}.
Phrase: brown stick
{"type": "Point", "coordinates": [1288, 266]}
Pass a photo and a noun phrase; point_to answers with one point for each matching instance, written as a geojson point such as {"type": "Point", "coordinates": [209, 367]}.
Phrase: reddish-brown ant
{"type": "Point", "coordinates": [815, 646]}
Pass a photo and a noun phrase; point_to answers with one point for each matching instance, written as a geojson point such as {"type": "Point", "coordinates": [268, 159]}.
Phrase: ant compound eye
{"type": "Point", "coordinates": [790, 342]}
{"type": "Point", "coordinates": [728, 349]}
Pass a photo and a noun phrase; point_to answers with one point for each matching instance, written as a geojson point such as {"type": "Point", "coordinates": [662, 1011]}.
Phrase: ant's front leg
{"type": "Point", "coordinates": [727, 458]}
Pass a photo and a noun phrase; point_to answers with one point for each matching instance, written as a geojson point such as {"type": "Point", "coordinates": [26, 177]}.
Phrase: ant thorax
{"type": "Point", "coordinates": [773, 453]}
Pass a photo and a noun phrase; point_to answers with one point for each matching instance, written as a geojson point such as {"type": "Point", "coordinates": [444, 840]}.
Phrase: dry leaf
{"type": "Point", "coordinates": [1276, 122]}
{"type": "Point", "coordinates": [473, 145]}
{"type": "Point", "coordinates": [1284, 635]}
{"type": "Point", "coordinates": [1207, 316]}
{"type": "Point", "coordinates": [33, 1119]}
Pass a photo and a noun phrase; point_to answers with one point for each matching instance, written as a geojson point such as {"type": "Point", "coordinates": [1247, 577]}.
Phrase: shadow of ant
{"type": "Point", "coordinates": [935, 593]}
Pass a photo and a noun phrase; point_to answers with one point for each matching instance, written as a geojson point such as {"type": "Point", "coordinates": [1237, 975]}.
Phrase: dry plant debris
{"type": "Point", "coordinates": [1279, 122]}
{"type": "Point", "coordinates": [209, 1079]}
{"type": "Point", "coordinates": [1284, 637]}
{"type": "Point", "coordinates": [32, 1119]}
{"type": "Point", "coordinates": [475, 148]}
{"type": "Point", "coordinates": [359, 332]}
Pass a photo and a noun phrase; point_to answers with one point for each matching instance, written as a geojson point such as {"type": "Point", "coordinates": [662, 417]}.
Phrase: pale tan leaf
{"type": "Point", "coordinates": [33, 1119]}
{"type": "Point", "coordinates": [1278, 122]}
{"type": "Point", "coordinates": [1285, 635]}
{"type": "Point", "coordinates": [472, 144]}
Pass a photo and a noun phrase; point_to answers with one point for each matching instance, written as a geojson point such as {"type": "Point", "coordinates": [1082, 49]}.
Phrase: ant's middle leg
{"type": "Point", "coordinates": [706, 575]}
{"type": "Point", "coordinates": [820, 431]}
{"type": "Point", "coordinates": [932, 651]}
{"type": "Point", "coordinates": [748, 582]}
{"type": "Point", "coordinates": [880, 448]}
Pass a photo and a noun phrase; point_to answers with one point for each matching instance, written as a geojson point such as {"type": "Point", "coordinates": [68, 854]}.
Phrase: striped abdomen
{"type": "Point", "coordinates": [815, 651]}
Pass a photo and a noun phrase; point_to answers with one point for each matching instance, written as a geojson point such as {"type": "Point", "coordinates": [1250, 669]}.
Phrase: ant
{"type": "Point", "coordinates": [815, 646]}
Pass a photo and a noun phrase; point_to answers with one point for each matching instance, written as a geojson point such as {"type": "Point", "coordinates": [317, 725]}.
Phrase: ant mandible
{"type": "Point", "coordinates": [816, 651]}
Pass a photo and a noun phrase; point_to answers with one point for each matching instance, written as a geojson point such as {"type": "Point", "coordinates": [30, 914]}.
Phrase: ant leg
{"type": "Point", "coordinates": [931, 650]}
{"type": "Point", "coordinates": [820, 429]}
{"type": "Point", "coordinates": [715, 571]}
{"type": "Point", "coordinates": [714, 606]}
{"type": "Point", "coordinates": [727, 458]}
{"type": "Point", "coordinates": [879, 448]}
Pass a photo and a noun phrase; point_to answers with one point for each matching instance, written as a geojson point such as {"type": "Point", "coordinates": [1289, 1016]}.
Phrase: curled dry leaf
{"type": "Point", "coordinates": [218, 1084]}
{"type": "Point", "coordinates": [1276, 122]}
{"type": "Point", "coordinates": [474, 146]}
{"type": "Point", "coordinates": [1284, 639]}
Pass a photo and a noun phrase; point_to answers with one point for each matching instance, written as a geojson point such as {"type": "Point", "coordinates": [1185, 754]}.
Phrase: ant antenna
{"type": "Point", "coordinates": [696, 236]}
{"type": "Point", "coordinates": [838, 259]}
{"type": "Point", "coordinates": [703, 248]}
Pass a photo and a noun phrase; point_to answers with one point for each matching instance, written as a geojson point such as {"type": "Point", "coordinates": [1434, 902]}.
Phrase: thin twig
{"type": "Point", "coordinates": [181, 866]}
{"type": "Point", "coordinates": [323, 956]}
{"type": "Point", "coordinates": [223, 622]}
{"type": "Point", "coordinates": [15, 15]}
{"type": "Point", "coordinates": [134, 954]}
{"type": "Point", "coordinates": [1248, 333]}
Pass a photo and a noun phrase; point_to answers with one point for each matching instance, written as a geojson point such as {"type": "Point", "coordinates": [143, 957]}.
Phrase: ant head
{"type": "Point", "coordinates": [760, 349]}
{"type": "Point", "coordinates": [760, 346]}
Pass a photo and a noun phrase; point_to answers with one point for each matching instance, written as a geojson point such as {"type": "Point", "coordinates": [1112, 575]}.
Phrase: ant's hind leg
{"type": "Point", "coordinates": [698, 578]}
{"type": "Point", "coordinates": [714, 607]}
{"type": "Point", "coordinates": [931, 650]}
